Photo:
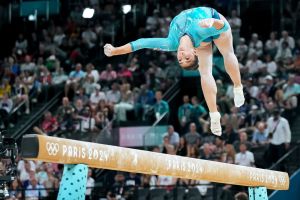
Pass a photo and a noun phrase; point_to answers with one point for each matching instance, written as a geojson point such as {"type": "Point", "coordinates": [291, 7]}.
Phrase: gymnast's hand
{"type": "Point", "coordinates": [207, 23]}
{"type": "Point", "coordinates": [108, 50]}
{"type": "Point", "coordinates": [211, 22]}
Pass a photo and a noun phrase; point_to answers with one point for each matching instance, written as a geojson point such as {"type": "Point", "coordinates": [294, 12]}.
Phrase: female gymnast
{"type": "Point", "coordinates": [191, 34]}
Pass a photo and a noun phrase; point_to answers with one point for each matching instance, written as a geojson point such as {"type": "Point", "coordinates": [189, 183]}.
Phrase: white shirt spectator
{"type": "Point", "coordinates": [6, 104]}
{"type": "Point", "coordinates": [97, 96]}
{"type": "Point", "coordinates": [245, 159]}
{"type": "Point", "coordinates": [282, 133]}
{"type": "Point", "coordinates": [271, 67]}
{"type": "Point", "coordinates": [113, 96]}
{"type": "Point", "coordinates": [271, 45]}
{"type": "Point", "coordinates": [89, 185]}
{"type": "Point", "coordinates": [58, 38]}
{"type": "Point", "coordinates": [28, 66]}
{"type": "Point", "coordinates": [254, 65]}
{"type": "Point", "coordinates": [90, 37]}
{"type": "Point", "coordinates": [165, 180]}
{"type": "Point", "coordinates": [254, 90]}
{"type": "Point", "coordinates": [24, 175]}
{"type": "Point", "coordinates": [87, 123]}
{"type": "Point", "coordinates": [289, 40]}
{"type": "Point", "coordinates": [255, 45]}
{"type": "Point", "coordinates": [33, 194]}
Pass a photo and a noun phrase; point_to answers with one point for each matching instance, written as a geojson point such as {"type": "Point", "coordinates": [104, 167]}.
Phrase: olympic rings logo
{"type": "Point", "coordinates": [52, 148]}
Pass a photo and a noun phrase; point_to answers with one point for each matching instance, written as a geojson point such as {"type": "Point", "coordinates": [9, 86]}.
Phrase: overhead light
{"type": "Point", "coordinates": [32, 17]}
{"type": "Point", "coordinates": [126, 9]}
{"type": "Point", "coordinates": [88, 13]}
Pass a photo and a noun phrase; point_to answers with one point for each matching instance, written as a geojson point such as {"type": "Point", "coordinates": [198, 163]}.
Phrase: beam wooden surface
{"type": "Point", "coordinates": [66, 151]}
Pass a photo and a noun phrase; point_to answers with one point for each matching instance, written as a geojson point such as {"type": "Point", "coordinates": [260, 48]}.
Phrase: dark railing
{"type": "Point", "coordinates": [294, 151]}
{"type": "Point", "coordinates": [169, 192]}
{"type": "Point", "coordinates": [36, 117]}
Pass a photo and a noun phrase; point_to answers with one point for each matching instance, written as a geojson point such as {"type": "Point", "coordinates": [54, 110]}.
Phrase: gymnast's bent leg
{"type": "Point", "coordinates": [209, 87]}
{"type": "Point", "coordinates": [225, 46]}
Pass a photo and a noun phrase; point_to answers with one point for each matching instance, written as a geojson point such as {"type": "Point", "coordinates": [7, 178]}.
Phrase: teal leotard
{"type": "Point", "coordinates": [186, 23]}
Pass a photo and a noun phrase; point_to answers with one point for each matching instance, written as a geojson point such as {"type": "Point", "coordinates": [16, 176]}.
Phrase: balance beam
{"type": "Point", "coordinates": [66, 151]}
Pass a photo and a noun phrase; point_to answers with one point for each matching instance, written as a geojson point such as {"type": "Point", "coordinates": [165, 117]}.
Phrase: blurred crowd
{"type": "Point", "coordinates": [97, 93]}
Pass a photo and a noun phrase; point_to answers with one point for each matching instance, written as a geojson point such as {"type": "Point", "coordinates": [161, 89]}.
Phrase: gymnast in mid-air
{"type": "Point", "coordinates": [191, 34]}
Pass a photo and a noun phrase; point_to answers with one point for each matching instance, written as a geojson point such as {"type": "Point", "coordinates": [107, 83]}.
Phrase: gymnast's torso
{"type": "Point", "coordinates": [185, 23]}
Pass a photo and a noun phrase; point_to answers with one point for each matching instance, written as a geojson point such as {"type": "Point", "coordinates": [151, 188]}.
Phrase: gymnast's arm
{"type": "Point", "coordinates": [214, 26]}
{"type": "Point", "coordinates": [164, 44]}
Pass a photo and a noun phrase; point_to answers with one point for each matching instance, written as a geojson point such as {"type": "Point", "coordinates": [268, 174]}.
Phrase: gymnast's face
{"type": "Point", "coordinates": [186, 56]}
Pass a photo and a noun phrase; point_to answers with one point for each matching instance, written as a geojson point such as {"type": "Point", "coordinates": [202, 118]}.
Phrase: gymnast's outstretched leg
{"type": "Point", "coordinates": [225, 46]}
{"type": "Point", "coordinates": [209, 87]}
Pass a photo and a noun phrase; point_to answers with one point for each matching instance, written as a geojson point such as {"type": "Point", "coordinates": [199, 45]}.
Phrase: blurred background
{"type": "Point", "coordinates": [55, 80]}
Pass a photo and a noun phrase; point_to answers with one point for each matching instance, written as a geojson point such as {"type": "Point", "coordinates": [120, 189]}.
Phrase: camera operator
{"type": "Point", "coordinates": [279, 135]}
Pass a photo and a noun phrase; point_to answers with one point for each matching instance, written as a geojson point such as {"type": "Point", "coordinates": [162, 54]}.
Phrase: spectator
{"type": "Point", "coordinates": [229, 134]}
{"type": "Point", "coordinates": [28, 65]}
{"type": "Point", "coordinates": [24, 168]}
{"type": "Point", "coordinates": [279, 132]}
{"type": "Point", "coordinates": [74, 79]}
{"type": "Point", "coordinates": [160, 107]}
{"type": "Point", "coordinates": [21, 92]}
{"type": "Point", "coordinates": [65, 115]}
{"type": "Point", "coordinates": [14, 67]}
{"type": "Point", "coordinates": [243, 138]}
{"type": "Point", "coordinates": [255, 45]}
{"type": "Point", "coordinates": [35, 190]}
{"type": "Point", "coordinates": [92, 73]}
{"type": "Point", "coordinates": [254, 65]}
{"type": "Point", "coordinates": [126, 104]}
{"type": "Point", "coordinates": [288, 39]}
{"type": "Point", "coordinates": [182, 148]}
{"type": "Point", "coordinates": [193, 152]}
{"type": "Point", "coordinates": [15, 191]}
{"type": "Point", "coordinates": [229, 156]}
{"type": "Point", "coordinates": [88, 85]}
{"type": "Point", "coordinates": [132, 180]}
{"type": "Point", "coordinates": [272, 45]}
{"type": "Point", "coordinates": [58, 36]}
{"type": "Point", "coordinates": [271, 66]}
{"type": "Point", "coordinates": [87, 122]}
{"type": "Point", "coordinates": [124, 72]}
{"type": "Point", "coordinates": [89, 37]}
{"type": "Point", "coordinates": [144, 101]}
{"type": "Point", "coordinates": [219, 150]}
{"type": "Point", "coordinates": [21, 45]}
{"type": "Point", "coordinates": [114, 95]}
{"type": "Point", "coordinates": [198, 114]}
{"type": "Point", "coordinates": [5, 88]}
{"type": "Point", "coordinates": [90, 184]}
{"type": "Point", "coordinates": [49, 125]}
{"type": "Point", "coordinates": [235, 24]}
{"type": "Point", "coordinates": [207, 153]}
{"type": "Point", "coordinates": [185, 112]}
{"type": "Point", "coordinates": [241, 196]}
{"type": "Point", "coordinates": [173, 136]}
{"type": "Point", "coordinates": [109, 74]}
{"type": "Point", "coordinates": [241, 49]}
{"type": "Point", "coordinates": [284, 53]}
{"type": "Point", "coordinates": [192, 138]}
{"type": "Point", "coordinates": [6, 106]}
{"type": "Point", "coordinates": [244, 157]}
{"type": "Point", "coordinates": [96, 96]}
{"type": "Point", "coordinates": [260, 135]}
{"type": "Point", "coordinates": [252, 118]}
{"type": "Point", "coordinates": [59, 76]}
{"type": "Point", "coordinates": [291, 88]}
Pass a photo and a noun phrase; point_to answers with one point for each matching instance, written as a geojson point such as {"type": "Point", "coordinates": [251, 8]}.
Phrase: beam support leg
{"type": "Point", "coordinates": [258, 193]}
{"type": "Point", "coordinates": [73, 183]}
